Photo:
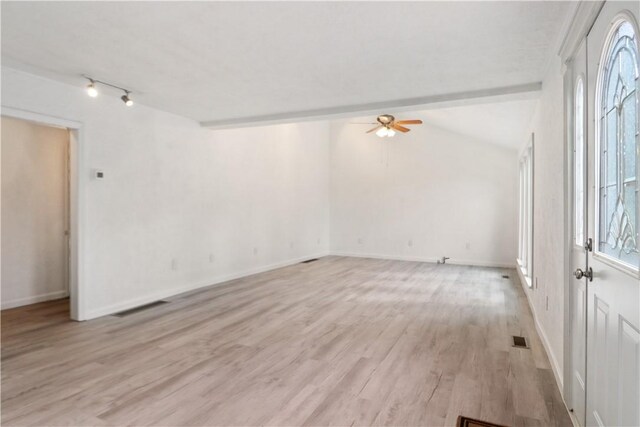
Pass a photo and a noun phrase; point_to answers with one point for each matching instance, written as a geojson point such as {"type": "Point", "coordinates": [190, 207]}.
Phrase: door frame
{"type": "Point", "coordinates": [77, 216]}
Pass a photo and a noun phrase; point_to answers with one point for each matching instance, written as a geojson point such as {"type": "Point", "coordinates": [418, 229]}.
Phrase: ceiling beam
{"type": "Point", "coordinates": [499, 94]}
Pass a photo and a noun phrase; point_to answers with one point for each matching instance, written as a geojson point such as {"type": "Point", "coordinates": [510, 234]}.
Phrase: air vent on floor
{"type": "Point", "coordinates": [309, 260]}
{"type": "Point", "coordinates": [139, 309]}
{"type": "Point", "coordinates": [504, 276]}
{"type": "Point", "coordinates": [520, 342]}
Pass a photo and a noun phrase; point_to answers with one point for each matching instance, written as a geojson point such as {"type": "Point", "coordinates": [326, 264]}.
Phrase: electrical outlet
{"type": "Point", "coordinates": [212, 258]}
{"type": "Point", "coordinates": [255, 251]}
{"type": "Point", "coordinates": [174, 264]}
{"type": "Point", "coordinates": [359, 240]}
{"type": "Point", "coordinates": [291, 245]}
{"type": "Point", "coordinates": [410, 242]}
{"type": "Point", "coordinates": [468, 245]}
{"type": "Point", "coordinates": [318, 241]}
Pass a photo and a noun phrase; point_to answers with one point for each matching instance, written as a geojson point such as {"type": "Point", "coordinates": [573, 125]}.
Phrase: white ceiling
{"type": "Point", "coordinates": [243, 61]}
{"type": "Point", "coordinates": [504, 123]}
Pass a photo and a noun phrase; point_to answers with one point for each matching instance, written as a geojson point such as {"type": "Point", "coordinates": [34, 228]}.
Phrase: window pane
{"type": "Point", "coordinates": [628, 69]}
{"type": "Point", "coordinates": [611, 198]}
{"type": "Point", "coordinates": [525, 235]}
{"type": "Point", "coordinates": [630, 200]}
{"type": "Point", "coordinates": [579, 164]}
{"type": "Point", "coordinates": [626, 30]}
{"type": "Point", "coordinates": [610, 146]}
{"type": "Point", "coordinates": [612, 82]}
{"type": "Point", "coordinates": [618, 193]}
{"type": "Point", "coordinates": [603, 217]}
{"type": "Point", "coordinates": [629, 129]}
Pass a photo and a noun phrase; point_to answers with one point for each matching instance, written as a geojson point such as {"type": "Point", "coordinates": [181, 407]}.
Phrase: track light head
{"type": "Point", "coordinates": [92, 91]}
{"type": "Point", "coordinates": [126, 99]}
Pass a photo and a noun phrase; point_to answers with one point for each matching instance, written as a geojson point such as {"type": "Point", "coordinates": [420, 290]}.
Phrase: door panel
{"type": "Point", "coordinates": [578, 295]}
{"type": "Point", "coordinates": [629, 351]}
{"type": "Point", "coordinates": [613, 309]}
{"type": "Point", "coordinates": [599, 386]}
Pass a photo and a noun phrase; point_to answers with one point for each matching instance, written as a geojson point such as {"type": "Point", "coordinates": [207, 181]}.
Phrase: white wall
{"type": "Point", "coordinates": [34, 213]}
{"type": "Point", "coordinates": [548, 217]}
{"type": "Point", "coordinates": [422, 195]}
{"type": "Point", "coordinates": [181, 206]}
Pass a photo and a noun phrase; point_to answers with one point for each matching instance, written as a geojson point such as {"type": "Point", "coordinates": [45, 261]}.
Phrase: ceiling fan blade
{"type": "Point", "coordinates": [396, 126]}
{"type": "Point", "coordinates": [374, 129]}
{"type": "Point", "coordinates": [363, 123]}
{"type": "Point", "coordinates": [409, 122]}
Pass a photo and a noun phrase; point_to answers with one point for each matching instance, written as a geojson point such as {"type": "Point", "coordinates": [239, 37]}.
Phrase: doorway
{"type": "Point", "coordinates": [77, 184]}
{"type": "Point", "coordinates": [35, 212]}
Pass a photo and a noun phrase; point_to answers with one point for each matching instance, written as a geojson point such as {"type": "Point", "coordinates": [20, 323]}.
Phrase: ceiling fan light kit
{"type": "Point", "coordinates": [388, 125]}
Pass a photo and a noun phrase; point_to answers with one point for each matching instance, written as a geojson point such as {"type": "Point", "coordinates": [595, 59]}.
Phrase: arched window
{"type": "Point", "coordinates": [617, 107]}
{"type": "Point", "coordinates": [578, 163]}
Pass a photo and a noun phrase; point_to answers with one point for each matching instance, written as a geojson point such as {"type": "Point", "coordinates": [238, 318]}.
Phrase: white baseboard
{"type": "Point", "coordinates": [424, 259]}
{"type": "Point", "coordinates": [555, 367]}
{"type": "Point", "coordinates": [19, 302]}
{"type": "Point", "coordinates": [167, 293]}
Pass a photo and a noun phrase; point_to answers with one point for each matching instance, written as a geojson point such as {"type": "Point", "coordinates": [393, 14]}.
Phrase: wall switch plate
{"type": "Point", "coordinates": [359, 240]}
{"type": "Point", "coordinates": [212, 258]}
{"type": "Point", "coordinates": [255, 251]}
{"type": "Point", "coordinates": [410, 243]}
{"type": "Point", "coordinates": [174, 264]}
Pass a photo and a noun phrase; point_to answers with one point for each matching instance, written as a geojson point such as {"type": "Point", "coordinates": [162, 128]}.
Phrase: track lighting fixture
{"type": "Point", "coordinates": [125, 98]}
{"type": "Point", "coordinates": [92, 90]}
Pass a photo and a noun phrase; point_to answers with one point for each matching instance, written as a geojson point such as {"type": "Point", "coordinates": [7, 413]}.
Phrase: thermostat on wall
{"type": "Point", "coordinates": [98, 173]}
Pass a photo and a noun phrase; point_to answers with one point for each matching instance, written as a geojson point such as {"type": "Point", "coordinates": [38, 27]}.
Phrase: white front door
{"type": "Point", "coordinates": [613, 218]}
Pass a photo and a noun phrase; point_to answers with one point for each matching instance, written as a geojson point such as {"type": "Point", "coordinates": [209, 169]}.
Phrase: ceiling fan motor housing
{"type": "Point", "coordinates": [385, 119]}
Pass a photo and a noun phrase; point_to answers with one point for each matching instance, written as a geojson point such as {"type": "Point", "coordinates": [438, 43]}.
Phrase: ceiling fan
{"type": "Point", "coordinates": [388, 125]}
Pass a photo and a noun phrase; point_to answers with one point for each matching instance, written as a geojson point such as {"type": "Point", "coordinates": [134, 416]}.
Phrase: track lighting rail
{"type": "Point", "coordinates": [93, 92]}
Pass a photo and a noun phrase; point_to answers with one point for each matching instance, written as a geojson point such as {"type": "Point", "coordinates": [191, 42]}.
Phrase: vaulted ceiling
{"type": "Point", "coordinates": [229, 62]}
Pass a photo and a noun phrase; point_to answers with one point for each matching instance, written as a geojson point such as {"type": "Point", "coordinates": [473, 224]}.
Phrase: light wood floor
{"type": "Point", "coordinates": [340, 341]}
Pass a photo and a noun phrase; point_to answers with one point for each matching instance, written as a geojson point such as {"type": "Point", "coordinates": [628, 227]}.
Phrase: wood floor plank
{"type": "Point", "coordinates": [340, 341]}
